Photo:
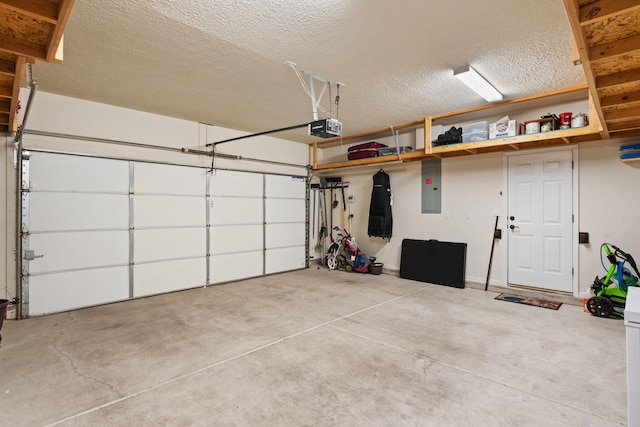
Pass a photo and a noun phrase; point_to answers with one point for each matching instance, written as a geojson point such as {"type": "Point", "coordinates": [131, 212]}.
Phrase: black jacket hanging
{"type": "Point", "coordinates": [380, 218]}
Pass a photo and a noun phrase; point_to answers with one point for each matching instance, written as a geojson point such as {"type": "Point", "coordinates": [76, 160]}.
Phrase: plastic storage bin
{"type": "Point", "coordinates": [476, 136]}
{"type": "Point", "coordinates": [475, 128]}
{"type": "Point", "coordinates": [385, 151]}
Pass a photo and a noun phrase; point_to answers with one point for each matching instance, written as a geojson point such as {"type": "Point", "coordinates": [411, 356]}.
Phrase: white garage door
{"type": "Point", "coordinates": [76, 220]}
{"type": "Point", "coordinates": [284, 223]}
{"type": "Point", "coordinates": [102, 230]}
{"type": "Point", "coordinates": [170, 226]}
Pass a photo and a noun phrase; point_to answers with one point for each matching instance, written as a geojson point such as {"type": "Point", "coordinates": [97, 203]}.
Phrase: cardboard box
{"type": "Point", "coordinates": [512, 128]}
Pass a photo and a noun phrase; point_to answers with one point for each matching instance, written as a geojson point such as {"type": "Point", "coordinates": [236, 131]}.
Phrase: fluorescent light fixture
{"type": "Point", "coordinates": [475, 81]}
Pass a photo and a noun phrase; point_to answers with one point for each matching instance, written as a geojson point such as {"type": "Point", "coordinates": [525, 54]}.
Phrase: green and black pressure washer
{"type": "Point", "coordinates": [610, 291]}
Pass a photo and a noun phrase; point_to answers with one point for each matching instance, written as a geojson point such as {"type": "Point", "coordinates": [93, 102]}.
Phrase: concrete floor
{"type": "Point", "coordinates": [315, 348]}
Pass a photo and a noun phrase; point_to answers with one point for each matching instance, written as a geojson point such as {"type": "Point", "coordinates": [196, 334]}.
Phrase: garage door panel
{"type": "Point", "coordinates": [285, 186]}
{"type": "Point", "coordinates": [168, 179]}
{"type": "Point", "coordinates": [75, 173]}
{"type": "Point", "coordinates": [163, 244]}
{"type": "Point", "coordinates": [229, 210]}
{"type": "Point", "coordinates": [71, 290]}
{"type": "Point", "coordinates": [77, 211]}
{"type": "Point", "coordinates": [280, 235]}
{"type": "Point", "coordinates": [232, 183]}
{"type": "Point", "coordinates": [284, 210]}
{"type": "Point", "coordinates": [69, 251]}
{"type": "Point", "coordinates": [82, 218]}
{"type": "Point", "coordinates": [169, 211]}
{"type": "Point", "coordinates": [226, 268]}
{"type": "Point", "coordinates": [284, 259]}
{"type": "Point", "coordinates": [161, 277]}
{"type": "Point", "coordinates": [228, 239]}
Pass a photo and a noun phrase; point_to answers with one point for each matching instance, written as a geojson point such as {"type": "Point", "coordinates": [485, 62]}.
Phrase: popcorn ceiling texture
{"type": "Point", "coordinates": [222, 62]}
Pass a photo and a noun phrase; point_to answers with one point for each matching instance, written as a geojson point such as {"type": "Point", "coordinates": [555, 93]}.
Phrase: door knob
{"type": "Point", "coordinates": [512, 217]}
{"type": "Point", "coordinates": [513, 227]}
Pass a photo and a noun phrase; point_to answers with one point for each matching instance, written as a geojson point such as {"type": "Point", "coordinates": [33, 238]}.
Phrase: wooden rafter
{"type": "Point", "coordinates": [607, 38]}
{"type": "Point", "coordinates": [13, 112]}
{"type": "Point", "coordinates": [604, 9]}
{"type": "Point", "coordinates": [42, 10]}
{"type": "Point", "coordinates": [573, 13]}
{"type": "Point", "coordinates": [22, 47]}
{"type": "Point", "coordinates": [35, 30]}
{"type": "Point", "coordinates": [64, 11]}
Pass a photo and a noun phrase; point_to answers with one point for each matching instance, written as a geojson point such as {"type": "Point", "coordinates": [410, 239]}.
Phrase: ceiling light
{"type": "Point", "coordinates": [475, 81]}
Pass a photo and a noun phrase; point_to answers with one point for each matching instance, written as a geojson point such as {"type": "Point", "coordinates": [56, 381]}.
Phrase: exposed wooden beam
{"type": "Point", "coordinates": [6, 92]}
{"type": "Point", "coordinates": [603, 9]}
{"type": "Point", "coordinates": [627, 134]}
{"type": "Point", "coordinates": [617, 79]}
{"type": "Point", "coordinates": [614, 49]}
{"type": "Point", "coordinates": [573, 14]}
{"type": "Point", "coordinates": [7, 67]}
{"type": "Point", "coordinates": [59, 56]}
{"type": "Point", "coordinates": [64, 11]}
{"type": "Point", "coordinates": [575, 53]}
{"type": "Point", "coordinates": [626, 125]}
{"type": "Point", "coordinates": [13, 109]}
{"type": "Point", "coordinates": [624, 114]}
{"type": "Point", "coordinates": [5, 106]}
{"type": "Point", "coordinates": [625, 98]}
{"type": "Point", "coordinates": [22, 47]}
{"type": "Point", "coordinates": [42, 10]}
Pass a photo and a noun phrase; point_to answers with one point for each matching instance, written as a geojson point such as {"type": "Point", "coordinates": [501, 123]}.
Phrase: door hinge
{"type": "Point", "coordinates": [573, 218]}
{"type": "Point", "coordinates": [572, 268]}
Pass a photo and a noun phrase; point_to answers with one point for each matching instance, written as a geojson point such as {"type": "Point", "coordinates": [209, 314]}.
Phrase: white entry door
{"type": "Point", "coordinates": [540, 220]}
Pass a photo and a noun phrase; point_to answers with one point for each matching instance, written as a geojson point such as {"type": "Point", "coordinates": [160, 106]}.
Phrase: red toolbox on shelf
{"type": "Point", "coordinates": [365, 150]}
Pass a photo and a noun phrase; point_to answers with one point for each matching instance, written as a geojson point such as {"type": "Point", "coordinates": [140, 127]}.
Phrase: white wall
{"type": "Point", "coordinates": [608, 203]}
{"type": "Point", "coordinates": [469, 184]}
{"type": "Point", "coordinates": [64, 115]}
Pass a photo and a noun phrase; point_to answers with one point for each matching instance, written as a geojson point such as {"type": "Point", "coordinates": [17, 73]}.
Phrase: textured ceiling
{"type": "Point", "coordinates": [222, 62]}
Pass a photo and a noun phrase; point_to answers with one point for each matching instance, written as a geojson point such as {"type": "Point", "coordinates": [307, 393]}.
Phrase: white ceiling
{"type": "Point", "coordinates": [222, 62]}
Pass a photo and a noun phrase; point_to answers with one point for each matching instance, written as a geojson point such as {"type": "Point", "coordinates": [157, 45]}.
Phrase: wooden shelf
{"type": "Point", "coordinates": [592, 132]}
{"type": "Point", "coordinates": [558, 137]}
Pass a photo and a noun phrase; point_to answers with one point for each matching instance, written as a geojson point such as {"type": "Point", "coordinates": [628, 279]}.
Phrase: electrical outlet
{"type": "Point", "coordinates": [446, 215]}
{"type": "Point", "coordinates": [467, 215]}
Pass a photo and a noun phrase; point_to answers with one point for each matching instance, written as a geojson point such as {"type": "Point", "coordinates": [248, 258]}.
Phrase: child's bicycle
{"type": "Point", "coordinates": [343, 254]}
{"type": "Point", "coordinates": [335, 260]}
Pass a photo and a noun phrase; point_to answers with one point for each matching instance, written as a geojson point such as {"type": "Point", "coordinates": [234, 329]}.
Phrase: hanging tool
{"type": "Point", "coordinates": [331, 213]}
{"type": "Point", "coordinates": [350, 217]}
{"type": "Point", "coordinates": [320, 234]}
{"type": "Point", "coordinates": [313, 221]}
{"type": "Point", "coordinates": [344, 208]}
{"type": "Point", "coordinates": [496, 235]}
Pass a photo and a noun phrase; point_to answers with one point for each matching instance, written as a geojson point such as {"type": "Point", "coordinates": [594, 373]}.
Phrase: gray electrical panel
{"type": "Point", "coordinates": [432, 186]}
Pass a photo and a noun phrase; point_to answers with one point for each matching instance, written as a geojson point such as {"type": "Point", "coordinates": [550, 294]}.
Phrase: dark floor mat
{"type": "Point", "coordinates": [538, 302]}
